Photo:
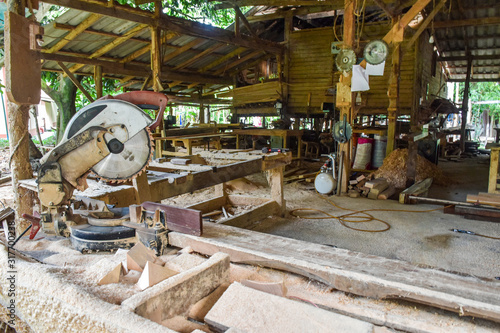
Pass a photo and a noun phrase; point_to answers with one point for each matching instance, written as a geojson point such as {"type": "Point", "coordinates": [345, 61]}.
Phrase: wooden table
{"type": "Point", "coordinates": [189, 141]}
{"type": "Point", "coordinates": [284, 134]}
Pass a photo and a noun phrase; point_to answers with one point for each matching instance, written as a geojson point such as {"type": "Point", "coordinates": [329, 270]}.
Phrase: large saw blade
{"type": "Point", "coordinates": [130, 162]}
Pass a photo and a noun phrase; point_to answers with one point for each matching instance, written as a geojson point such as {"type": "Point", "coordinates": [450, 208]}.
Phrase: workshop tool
{"type": "Point", "coordinates": [326, 182]}
{"type": "Point", "coordinates": [111, 139]}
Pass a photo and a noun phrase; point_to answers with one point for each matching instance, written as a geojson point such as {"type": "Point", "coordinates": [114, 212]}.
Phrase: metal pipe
{"type": "Point", "coordinates": [446, 202]}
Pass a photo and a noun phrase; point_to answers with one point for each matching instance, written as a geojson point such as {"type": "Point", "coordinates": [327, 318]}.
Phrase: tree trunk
{"type": "Point", "coordinates": [64, 98]}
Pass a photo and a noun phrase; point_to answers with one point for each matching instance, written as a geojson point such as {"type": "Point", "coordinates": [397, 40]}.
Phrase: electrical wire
{"type": "Point", "coordinates": [355, 216]}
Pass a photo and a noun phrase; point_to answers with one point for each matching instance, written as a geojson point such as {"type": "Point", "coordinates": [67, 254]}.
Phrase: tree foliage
{"type": "Point", "coordinates": [484, 92]}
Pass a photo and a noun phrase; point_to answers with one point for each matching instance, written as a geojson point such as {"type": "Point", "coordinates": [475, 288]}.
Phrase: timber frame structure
{"type": "Point", "coordinates": [290, 42]}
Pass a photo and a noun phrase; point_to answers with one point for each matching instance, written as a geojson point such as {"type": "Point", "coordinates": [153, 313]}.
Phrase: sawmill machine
{"type": "Point", "coordinates": [110, 138]}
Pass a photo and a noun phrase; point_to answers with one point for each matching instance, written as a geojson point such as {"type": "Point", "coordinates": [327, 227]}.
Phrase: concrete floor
{"type": "Point", "coordinates": [419, 238]}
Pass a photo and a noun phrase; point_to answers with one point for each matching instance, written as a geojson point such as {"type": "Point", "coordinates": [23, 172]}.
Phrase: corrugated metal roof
{"type": "Point", "coordinates": [107, 30]}
{"type": "Point", "coordinates": [458, 36]}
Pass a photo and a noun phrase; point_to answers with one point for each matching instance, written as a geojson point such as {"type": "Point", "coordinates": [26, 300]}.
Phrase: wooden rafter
{"type": "Point", "coordinates": [184, 48]}
{"type": "Point", "coordinates": [198, 56]}
{"type": "Point", "coordinates": [117, 41]}
{"type": "Point", "coordinates": [405, 20]}
{"type": "Point", "coordinates": [146, 49]}
{"type": "Point", "coordinates": [473, 57]}
{"type": "Point", "coordinates": [242, 3]}
{"type": "Point", "coordinates": [75, 32]}
{"type": "Point", "coordinates": [424, 24]}
{"type": "Point", "coordinates": [221, 60]}
{"type": "Point", "coordinates": [466, 22]}
{"type": "Point", "coordinates": [137, 70]}
{"type": "Point", "coordinates": [237, 62]}
{"type": "Point", "coordinates": [244, 20]}
{"type": "Point", "coordinates": [250, 64]}
{"type": "Point", "coordinates": [75, 81]}
{"type": "Point", "coordinates": [70, 27]}
{"type": "Point", "coordinates": [389, 12]}
{"type": "Point", "coordinates": [281, 13]}
{"type": "Point", "coordinates": [169, 23]}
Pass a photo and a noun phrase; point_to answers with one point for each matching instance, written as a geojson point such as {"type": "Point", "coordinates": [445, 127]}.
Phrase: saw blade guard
{"type": "Point", "coordinates": [106, 113]}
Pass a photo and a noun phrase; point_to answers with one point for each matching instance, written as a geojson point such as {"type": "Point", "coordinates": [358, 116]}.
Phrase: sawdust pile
{"type": "Point", "coordinates": [394, 170]}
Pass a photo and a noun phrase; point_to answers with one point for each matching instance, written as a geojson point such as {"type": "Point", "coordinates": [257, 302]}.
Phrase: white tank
{"type": "Point", "coordinates": [324, 183]}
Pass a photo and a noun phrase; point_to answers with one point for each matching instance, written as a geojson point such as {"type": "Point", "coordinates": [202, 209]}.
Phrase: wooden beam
{"type": "Point", "coordinates": [352, 272]}
{"type": "Point", "coordinates": [156, 60]}
{"type": "Point", "coordinates": [103, 50]}
{"type": "Point", "coordinates": [182, 49]}
{"type": "Point", "coordinates": [75, 81]}
{"type": "Point", "coordinates": [138, 70]}
{"type": "Point", "coordinates": [281, 13]}
{"type": "Point", "coordinates": [146, 49]}
{"type": "Point", "coordinates": [170, 23]}
{"type": "Point", "coordinates": [424, 25]}
{"type": "Point", "coordinates": [244, 3]}
{"type": "Point", "coordinates": [465, 58]}
{"type": "Point", "coordinates": [465, 105]}
{"type": "Point", "coordinates": [466, 22]}
{"type": "Point", "coordinates": [222, 59]}
{"type": "Point", "coordinates": [244, 20]}
{"type": "Point", "coordinates": [392, 35]}
{"type": "Point", "coordinates": [89, 21]}
{"type": "Point", "coordinates": [98, 81]}
{"type": "Point", "coordinates": [198, 56]}
{"type": "Point", "coordinates": [70, 27]}
{"type": "Point", "coordinates": [237, 62]}
{"type": "Point", "coordinates": [390, 14]}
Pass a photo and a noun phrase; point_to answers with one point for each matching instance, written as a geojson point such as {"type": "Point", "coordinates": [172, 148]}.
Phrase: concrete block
{"type": "Point", "coordinates": [178, 293]}
{"type": "Point", "coordinates": [252, 310]}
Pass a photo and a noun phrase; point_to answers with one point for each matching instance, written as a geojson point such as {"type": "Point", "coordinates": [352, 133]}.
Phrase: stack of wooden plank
{"type": "Point", "coordinates": [373, 189]}
{"type": "Point", "coordinates": [257, 93]}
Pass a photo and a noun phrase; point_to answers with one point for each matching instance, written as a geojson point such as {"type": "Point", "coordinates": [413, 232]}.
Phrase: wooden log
{"type": "Point", "coordinates": [483, 200]}
{"type": "Point", "coordinates": [352, 272]}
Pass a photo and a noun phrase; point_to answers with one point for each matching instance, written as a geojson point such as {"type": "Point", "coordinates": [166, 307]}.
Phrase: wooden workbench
{"type": "Point", "coordinates": [284, 134]}
{"type": "Point", "coordinates": [189, 141]}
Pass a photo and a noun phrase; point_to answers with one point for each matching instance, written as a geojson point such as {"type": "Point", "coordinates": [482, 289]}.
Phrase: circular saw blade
{"type": "Point", "coordinates": [345, 59]}
{"type": "Point", "coordinates": [130, 162]}
{"type": "Point", "coordinates": [376, 52]}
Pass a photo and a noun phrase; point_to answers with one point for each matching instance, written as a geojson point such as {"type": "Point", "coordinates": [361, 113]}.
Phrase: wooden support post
{"type": "Point", "coordinates": [345, 98]}
{"type": "Point", "coordinates": [75, 81]}
{"type": "Point", "coordinates": [98, 81]}
{"type": "Point", "coordinates": [393, 93]}
{"type": "Point", "coordinates": [156, 57]}
{"type": "Point", "coordinates": [275, 180]}
{"type": "Point", "coordinates": [286, 62]}
{"type": "Point", "coordinates": [202, 108]}
{"type": "Point", "coordinates": [18, 123]}
{"type": "Point", "coordinates": [142, 190]}
{"type": "Point", "coordinates": [465, 104]}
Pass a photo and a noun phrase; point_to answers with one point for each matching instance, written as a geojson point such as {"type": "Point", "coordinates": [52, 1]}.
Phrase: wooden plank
{"type": "Point", "coordinates": [209, 205]}
{"type": "Point", "coordinates": [174, 296]}
{"type": "Point", "coordinates": [271, 313]}
{"type": "Point", "coordinates": [142, 189]}
{"type": "Point", "coordinates": [243, 200]}
{"type": "Point", "coordinates": [183, 220]}
{"type": "Point", "coordinates": [415, 190]}
{"type": "Point", "coordinates": [88, 22]}
{"type": "Point", "coordinates": [258, 213]}
{"type": "Point", "coordinates": [352, 272]}
{"type": "Point", "coordinates": [483, 200]}
{"type": "Point", "coordinates": [493, 214]}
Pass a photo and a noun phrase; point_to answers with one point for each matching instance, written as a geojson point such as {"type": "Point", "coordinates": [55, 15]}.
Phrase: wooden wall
{"type": "Point", "coordinates": [311, 70]}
